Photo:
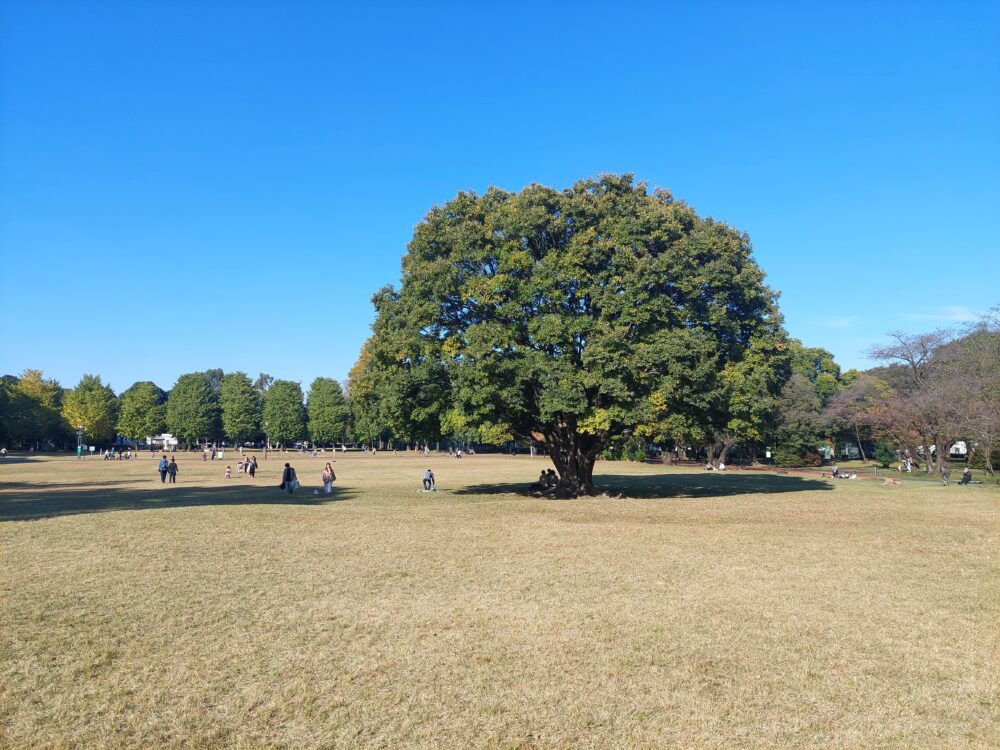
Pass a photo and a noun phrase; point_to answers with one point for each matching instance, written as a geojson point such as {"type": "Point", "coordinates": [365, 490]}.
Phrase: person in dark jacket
{"type": "Point", "coordinates": [172, 471]}
{"type": "Point", "coordinates": [288, 479]}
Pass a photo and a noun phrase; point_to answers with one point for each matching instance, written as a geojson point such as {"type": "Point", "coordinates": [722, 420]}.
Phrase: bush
{"type": "Point", "coordinates": [788, 456]}
{"type": "Point", "coordinates": [628, 450]}
{"type": "Point", "coordinates": [886, 455]}
{"type": "Point", "coordinates": [637, 454]}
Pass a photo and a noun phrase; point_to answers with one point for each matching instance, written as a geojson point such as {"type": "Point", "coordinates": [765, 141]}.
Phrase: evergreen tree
{"type": "Point", "coordinates": [569, 318]}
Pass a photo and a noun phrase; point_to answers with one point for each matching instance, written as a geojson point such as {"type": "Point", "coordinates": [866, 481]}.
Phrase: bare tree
{"type": "Point", "coordinates": [923, 406]}
{"type": "Point", "coordinates": [860, 406]}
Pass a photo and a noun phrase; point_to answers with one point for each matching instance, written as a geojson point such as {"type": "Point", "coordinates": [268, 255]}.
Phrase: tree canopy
{"type": "Point", "coordinates": [327, 411]}
{"type": "Point", "coordinates": [93, 406]}
{"type": "Point", "coordinates": [567, 318]}
{"type": "Point", "coordinates": [193, 408]}
{"type": "Point", "coordinates": [284, 414]}
{"type": "Point", "coordinates": [241, 404]}
{"type": "Point", "coordinates": [142, 411]}
{"type": "Point", "coordinates": [32, 408]}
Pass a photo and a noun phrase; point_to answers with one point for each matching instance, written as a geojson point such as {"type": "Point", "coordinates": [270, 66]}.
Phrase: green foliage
{"type": "Point", "coordinates": [33, 409]}
{"type": "Point", "coordinates": [284, 414]}
{"type": "Point", "coordinates": [93, 406]}
{"type": "Point", "coordinates": [366, 398]}
{"type": "Point", "coordinates": [142, 411]}
{"type": "Point", "coordinates": [263, 382]}
{"type": "Point", "coordinates": [886, 454]}
{"type": "Point", "coordinates": [570, 318]}
{"type": "Point", "coordinates": [800, 417]}
{"type": "Point", "coordinates": [241, 404]}
{"type": "Point", "coordinates": [4, 413]}
{"type": "Point", "coordinates": [327, 411]}
{"type": "Point", "coordinates": [790, 456]}
{"type": "Point", "coordinates": [624, 449]}
{"type": "Point", "coordinates": [193, 408]}
{"type": "Point", "coordinates": [816, 365]}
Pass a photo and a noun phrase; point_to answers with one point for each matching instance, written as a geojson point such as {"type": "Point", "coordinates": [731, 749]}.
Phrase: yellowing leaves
{"type": "Point", "coordinates": [597, 421]}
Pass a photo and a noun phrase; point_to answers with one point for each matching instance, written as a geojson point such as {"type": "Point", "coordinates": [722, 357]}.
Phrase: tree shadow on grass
{"type": "Point", "coordinates": [709, 484]}
{"type": "Point", "coordinates": [23, 458]}
{"type": "Point", "coordinates": [44, 502]}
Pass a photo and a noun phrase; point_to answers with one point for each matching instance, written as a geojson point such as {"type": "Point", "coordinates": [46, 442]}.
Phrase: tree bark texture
{"type": "Point", "coordinates": [574, 455]}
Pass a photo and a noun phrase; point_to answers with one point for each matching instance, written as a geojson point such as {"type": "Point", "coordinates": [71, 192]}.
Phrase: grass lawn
{"type": "Point", "coordinates": [732, 610]}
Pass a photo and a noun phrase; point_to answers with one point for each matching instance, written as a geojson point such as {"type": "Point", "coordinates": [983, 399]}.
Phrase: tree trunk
{"type": "Point", "coordinates": [574, 455]}
{"type": "Point", "coordinates": [928, 456]}
{"type": "Point", "coordinates": [857, 435]}
{"type": "Point", "coordinates": [727, 445]}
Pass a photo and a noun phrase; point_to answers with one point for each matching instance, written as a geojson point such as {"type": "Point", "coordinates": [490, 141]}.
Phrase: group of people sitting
{"type": "Point", "coordinates": [838, 474]}
{"type": "Point", "coordinates": [546, 479]}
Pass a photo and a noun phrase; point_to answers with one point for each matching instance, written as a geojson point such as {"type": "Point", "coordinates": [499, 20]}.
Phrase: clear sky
{"type": "Point", "coordinates": [194, 185]}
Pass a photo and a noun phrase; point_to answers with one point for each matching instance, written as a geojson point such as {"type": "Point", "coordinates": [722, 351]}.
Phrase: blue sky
{"type": "Point", "coordinates": [196, 185]}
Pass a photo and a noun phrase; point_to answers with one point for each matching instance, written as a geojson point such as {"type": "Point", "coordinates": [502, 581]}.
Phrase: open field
{"type": "Point", "coordinates": [714, 610]}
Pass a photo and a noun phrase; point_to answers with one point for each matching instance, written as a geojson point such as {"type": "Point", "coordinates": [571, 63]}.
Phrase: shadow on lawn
{"type": "Point", "coordinates": [43, 502]}
{"type": "Point", "coordinates": [709, 484]}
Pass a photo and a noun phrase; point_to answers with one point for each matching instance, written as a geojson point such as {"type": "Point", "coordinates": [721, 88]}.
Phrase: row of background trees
{"type": "Point", "coordinates": [931, 389]}
{"type": "Point", "coordinates": [202, 407]}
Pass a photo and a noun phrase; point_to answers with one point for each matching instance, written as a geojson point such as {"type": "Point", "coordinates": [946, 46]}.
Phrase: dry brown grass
{"type": "Point", "coordinates": [722, 611]}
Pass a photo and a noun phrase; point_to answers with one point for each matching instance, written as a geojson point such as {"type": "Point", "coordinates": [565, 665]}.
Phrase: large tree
{"type": "Point", "coordinates": [568, 318]}
{"type": "Point", "coordinates": [93, 406]}
{"type": "Point", "coordinates": [33, 409]}
{"type": "Point", "coordinates": [142, 411]}
{"type": "Point", "coordinates": [327, 411]}
{"type": "Point", "coordinates": [284, 414]}
{"type": "Point", "coordinates": [193, 408]}
{"type": "Point", "coordinates": [241, 405]}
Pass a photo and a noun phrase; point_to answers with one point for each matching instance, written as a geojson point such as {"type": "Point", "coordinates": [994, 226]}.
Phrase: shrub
{"type": "Point", "coordinates": [886, 455]}
{"type": "Point", "coordinates": [788, 456]}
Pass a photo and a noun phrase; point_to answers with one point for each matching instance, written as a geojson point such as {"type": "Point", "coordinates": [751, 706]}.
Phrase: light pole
{"type": "Point", "coordinates": [79, 441]}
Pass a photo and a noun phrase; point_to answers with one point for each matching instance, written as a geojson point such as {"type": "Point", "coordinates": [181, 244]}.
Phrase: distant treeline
{"type": "Point", "coordinates": [202, 407]}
